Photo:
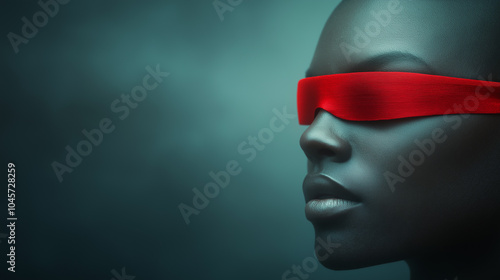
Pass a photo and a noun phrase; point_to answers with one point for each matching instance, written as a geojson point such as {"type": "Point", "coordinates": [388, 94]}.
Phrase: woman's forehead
{"type": "Point", "coordinates": [453, 38]}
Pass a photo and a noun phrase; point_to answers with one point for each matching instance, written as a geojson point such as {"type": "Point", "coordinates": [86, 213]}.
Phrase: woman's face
{"type": "Point", "coordinates": [418, 186]}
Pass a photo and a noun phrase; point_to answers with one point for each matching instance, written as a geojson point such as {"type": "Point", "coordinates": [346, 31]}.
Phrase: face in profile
{"type": "Point", "coordinates": [422, 189]}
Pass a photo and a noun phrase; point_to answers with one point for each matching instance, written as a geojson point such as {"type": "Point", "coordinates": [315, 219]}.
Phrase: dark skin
{"type": "Point", "coordinates": [443, 219]}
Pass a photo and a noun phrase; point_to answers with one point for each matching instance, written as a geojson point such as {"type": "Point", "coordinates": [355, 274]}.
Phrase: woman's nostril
{"type": "Point", "coordinates": [326, 152]}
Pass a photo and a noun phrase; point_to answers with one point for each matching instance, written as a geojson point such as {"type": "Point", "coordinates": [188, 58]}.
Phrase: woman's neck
{"type": "Point", "coordinates": [476, 260]}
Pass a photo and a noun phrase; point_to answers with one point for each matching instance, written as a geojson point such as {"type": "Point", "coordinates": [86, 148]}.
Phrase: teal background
{"type": "Point", "coordinates": [119, 207]}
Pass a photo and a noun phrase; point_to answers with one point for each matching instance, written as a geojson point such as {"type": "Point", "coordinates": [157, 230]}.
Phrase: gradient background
{"type": "Point", "coordinates": [119, 207]}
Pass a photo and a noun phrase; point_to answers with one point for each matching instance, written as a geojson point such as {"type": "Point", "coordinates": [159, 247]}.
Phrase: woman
{"type": "Point", "coordinates": [421, 187]}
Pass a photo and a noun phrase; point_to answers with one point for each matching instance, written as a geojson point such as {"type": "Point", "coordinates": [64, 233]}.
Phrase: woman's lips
{"type": "Point", "coordinates": [326, 198]}
{"type": "Point", "coordinates": [327, 207]}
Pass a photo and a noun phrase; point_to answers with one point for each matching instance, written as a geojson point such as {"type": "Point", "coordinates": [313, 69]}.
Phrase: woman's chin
{"type": "Point", "coordinates": [336, 251]}
{"type": "Point", "coordinates": [352, 261]}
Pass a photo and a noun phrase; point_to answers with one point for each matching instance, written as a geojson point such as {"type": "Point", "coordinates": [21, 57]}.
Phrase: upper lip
{"type": "Point", "coordinates": [321, 186]}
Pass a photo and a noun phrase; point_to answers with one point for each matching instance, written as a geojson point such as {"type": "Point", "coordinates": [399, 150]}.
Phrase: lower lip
{"type": "Point", "coordinates": [327, 208]}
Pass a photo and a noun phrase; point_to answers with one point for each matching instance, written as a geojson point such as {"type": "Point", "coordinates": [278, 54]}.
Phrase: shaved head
{"type": "Point", "coordinates": [450, 38]}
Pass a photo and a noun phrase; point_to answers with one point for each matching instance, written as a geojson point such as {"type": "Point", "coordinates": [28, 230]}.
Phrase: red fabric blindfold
{"type": "Point", "coordinates": [371, 96]}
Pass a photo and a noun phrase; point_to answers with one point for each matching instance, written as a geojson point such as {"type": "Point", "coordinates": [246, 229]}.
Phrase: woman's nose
{"type": "Point", "coordinates": [322, 140]}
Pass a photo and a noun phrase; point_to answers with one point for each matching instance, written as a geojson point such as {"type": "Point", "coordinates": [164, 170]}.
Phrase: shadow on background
{"type": "Point", "coordinates": [116, 213]}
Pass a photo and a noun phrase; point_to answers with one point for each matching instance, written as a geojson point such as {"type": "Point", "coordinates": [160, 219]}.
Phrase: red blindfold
{"type": "Point", "coordinates": [371, 96]}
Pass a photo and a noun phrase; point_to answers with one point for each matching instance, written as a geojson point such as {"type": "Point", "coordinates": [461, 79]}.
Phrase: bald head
{"type": "Point", "coordinates": [451, 38]}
